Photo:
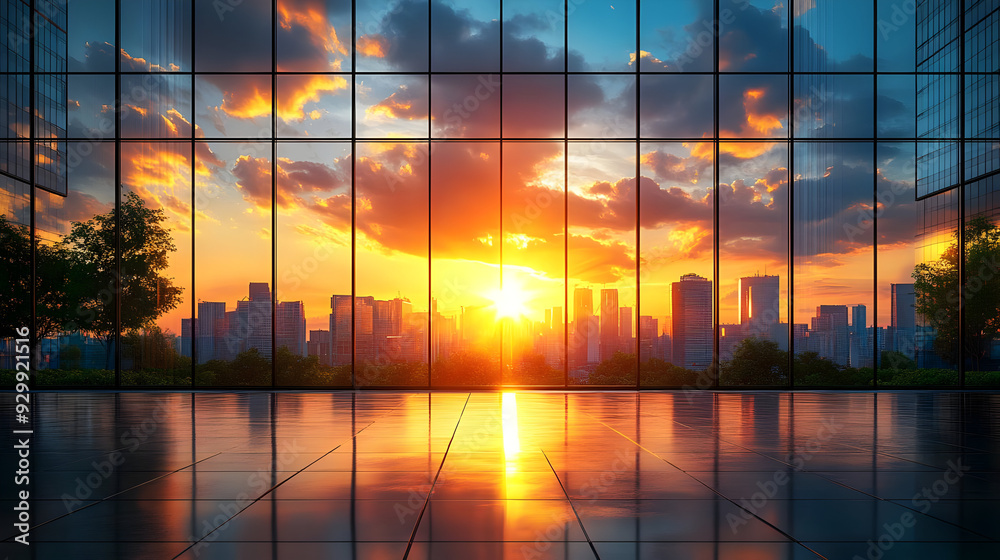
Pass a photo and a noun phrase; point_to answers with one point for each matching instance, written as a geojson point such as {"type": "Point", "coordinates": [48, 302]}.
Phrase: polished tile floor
{"type": "Point", "coordinates": [527, 475]}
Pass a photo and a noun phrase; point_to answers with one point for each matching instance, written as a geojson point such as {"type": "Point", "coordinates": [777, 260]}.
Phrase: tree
{"type": "Point", "coordinates": [756, 361]}
{"type": "Point", "coordinates": [145, 294]}
{"type": "Point", "coordinates": [938, 300]}
{"type": "Point", "coordinates": [619, 370]}
{"type": "Point", "coordinates": [53, 282]}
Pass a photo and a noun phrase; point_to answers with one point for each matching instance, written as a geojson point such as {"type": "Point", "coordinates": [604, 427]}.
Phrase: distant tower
{"type": "Point", "coordinates": [609, 323]}
{"type": "Point", "coordinates": [692, 322]}
{"type": "Point", "coordinates": [583, 310]}
{"type": "Point", "coordinates": [759, 304]}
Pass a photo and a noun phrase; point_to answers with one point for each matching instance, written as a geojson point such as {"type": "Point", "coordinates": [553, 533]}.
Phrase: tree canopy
{"type": "Point", "coordinates": [938, 298]}
{"type": "Point", "coordinates": [76, 279]}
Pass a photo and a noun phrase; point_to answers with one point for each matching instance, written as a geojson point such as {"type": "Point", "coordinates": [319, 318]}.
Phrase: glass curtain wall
{"type": "Point", "coordinates": [458, 193]}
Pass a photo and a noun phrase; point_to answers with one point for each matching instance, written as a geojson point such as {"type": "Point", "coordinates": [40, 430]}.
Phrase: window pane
{"type": "Point", "coordinates": [156, 224]}
{"type": "Point", "coordinates": [834, 36]}
{"type": "Point", "coordinates": [75, 265]}
{"type": "Point", "coordinates": [602, 36]}
{"type": "Point", "coordinates": [391, 271]}
{"type": "Point", "coordinates": [465, 106]}
{"type": "Point", "coordinates": [234, 106]}
{"type": "Point", "coordinates": [90, 36]}
{"type": "Point", "coordinates": [155, 106]}
{"type": "Point", "coordinates": [466, 36]}
{"type": "Point", "coordinates": [533, 106]}
{"type": "Point", "coordinates": [897, 110]}
{"type": "Point", "coordinates": [833, 106]}
{"type": "Point", "coordinates": [533, 35]}
{"type": "Point", "coordinates": [531, 302]}
{"type": "Point", "coordinates": [982, 281]}
{"type": "Point", "coordinates": [753, 264]}
{"type": "Point", "coordinates": [834, 260]}
{"type": "Point", "coordinates": [392, 36]}
{"type": "Point", "coordinates": [314, 36]}
{"type": "Point", "coordinates": [753, 106]}
{"type": "Point", "coordinates": [314, 105]}
{"type": "Point", "coordinates": [676, 216]}
{"type": "Point", "coordinates": [89, 101]}
{"type": "Point", "coordinates": [902, 238]}
{"type": "Point", "coordinates": [601, 106]}
{"type": "Point", "coordinates": [313, 261]}
{"type": "Point", "coordinates": [896, 40]}
{"type": "Point", "coordinates": [391, 106]}
{"type": "Point", "coordinates": [156, 36]}
{"type": "Point", "coordinates": [676, 106]}
{"type": "Point", "coordinates": [232, 328]}
{"type": "Point", "coordinates": [753, 36]}
{"type": "Point", "coordinates": [601, 262]}
{"type": "Point", "coordinates": [465, 259]}
{"type": "Point", "coordinates": [15, 265]}
{"type": "Point", "coordinates": [672, 37]}
{"type": "Point", "coordinates": [233, 37]}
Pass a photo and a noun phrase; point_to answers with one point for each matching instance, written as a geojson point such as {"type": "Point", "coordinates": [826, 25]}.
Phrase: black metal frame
{"type": "Point", "coordinates": [790, 141]}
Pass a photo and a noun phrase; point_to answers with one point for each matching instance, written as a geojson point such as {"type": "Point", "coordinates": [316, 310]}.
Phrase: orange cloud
{"type": "Point", "coordinates": [399, 105]}
{"type": "Point", "coordinates": [759, 121]}
{"type": "Point", "coordinates": [373, 45]}
{"type": "Point", "coordinates": [311, 15]}
{"type": "Point", "coordinates": [741, 150]}
{"type": "Point", "coordinates": [295, 91]}
{"type": "Point", "coordinates": [247, 97]}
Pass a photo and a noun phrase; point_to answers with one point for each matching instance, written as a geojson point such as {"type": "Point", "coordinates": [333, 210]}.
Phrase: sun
{"type": "Point", "coordinates": [510, 302]}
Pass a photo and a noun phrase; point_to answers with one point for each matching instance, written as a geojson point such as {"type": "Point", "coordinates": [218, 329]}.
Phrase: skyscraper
{"type": "Point", "coordinates": [291, 327]}
{"type": "Point", "coordinates": [625, 329]}
{"type": "Point", "coordinates": [759, 304]}
{"type": "Point", "coordinates": [42, 100]}
{"type": "Point", "coordinates": [341, 336]}
{"type": "Point", "coordinates": [828, 335]}
{"type": "Point", "coordinates": [609, 323]}
{"type": "Point", "coordinates": [903, 323]}
{"type": "Point", "coordinates": [692, 322]}
{"type": "Point", "coordinates": [583, 310]}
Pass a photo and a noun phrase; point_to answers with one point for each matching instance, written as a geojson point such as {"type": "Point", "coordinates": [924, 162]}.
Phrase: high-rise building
{"type": "Point", "coordinates": [692, 322]}
{"type": "Point", "coordinates": [828, 335]}
{"type": "Point", "coordinates": [625, 329]}
{"type": "Point", "coordinates": [648, 337]}
{"type": "Point", "coordinates": [319, 345]}
{"type": "Point", "coordinates": [583, 310]}
{"type": "Point", "coordinates": [759, 304]}
{"type": "Point", "coordinates": [903, 322]}
{"type": "Point", "coordinates": [40, 26]}
{"type": "Point", "coordinates": [609, 323]}
{"type": "Point", "coordinates": [290, 325]}
{"type": "Point", "coordinates": [859, 338]}
{"type": "Point", "coordinates": [341, 335]}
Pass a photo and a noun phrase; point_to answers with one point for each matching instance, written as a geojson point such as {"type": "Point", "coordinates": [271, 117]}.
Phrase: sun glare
{"type": "Point", "coordinates": [510, 302]}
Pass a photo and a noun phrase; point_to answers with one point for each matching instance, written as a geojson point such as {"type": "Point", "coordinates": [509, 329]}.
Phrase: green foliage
{"type": "Point", "coordinates": [466, 367]}
{"type": "Point", "coordinates": [892, 359]}
{"type": "Point", "coordinates": [53, 282]}
{"type": "Point", "coordinates": [413, 374]}
{"type": "Point", "coordinates": [756, 361]}
{"type": "Point", "coordinates": [659, 373]}
{"type": "Point", "coordinates": [889, 377]}
{"type": "Point", "coordinates": [619, 370]}
{"type": "Point", "coordinates": [937, 294]}
{"type": "Point", "coordinates": [532, 369]}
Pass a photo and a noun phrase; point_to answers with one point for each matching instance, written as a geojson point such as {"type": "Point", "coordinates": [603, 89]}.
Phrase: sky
{"type": "Point", "coordinates": [498, 232]}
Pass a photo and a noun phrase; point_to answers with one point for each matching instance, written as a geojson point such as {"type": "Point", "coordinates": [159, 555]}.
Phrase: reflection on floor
{"type": "Point", "coordinates": [378, 475]}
